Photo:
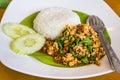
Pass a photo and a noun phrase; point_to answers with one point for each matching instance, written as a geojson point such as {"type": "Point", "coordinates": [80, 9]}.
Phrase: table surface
{"type": "Point", "coordinates": [8, 74]}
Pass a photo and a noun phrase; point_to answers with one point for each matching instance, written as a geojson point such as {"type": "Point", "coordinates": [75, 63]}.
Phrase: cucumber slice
{"type": "Point", "coordinates": [27, 44]}
{"type": "Point", "coordinates": [15, 30]}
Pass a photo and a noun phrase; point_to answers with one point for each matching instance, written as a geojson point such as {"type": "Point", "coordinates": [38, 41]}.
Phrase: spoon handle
{"type": "Point", "coordinates": [112, 57]}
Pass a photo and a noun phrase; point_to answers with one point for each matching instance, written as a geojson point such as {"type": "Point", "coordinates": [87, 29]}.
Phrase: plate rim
{"type": "Point", "coordinates": [52, 76]}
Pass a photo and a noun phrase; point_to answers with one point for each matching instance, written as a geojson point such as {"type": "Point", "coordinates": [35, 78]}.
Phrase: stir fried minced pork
{"type": "Point", "coordinates": [76, 45]}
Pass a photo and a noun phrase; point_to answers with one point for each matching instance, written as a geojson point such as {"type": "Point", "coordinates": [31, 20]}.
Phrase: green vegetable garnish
{"type": "Point", "coordinates": [87, 41]}
{"type": "Point", "coordinates": [70, 37]}
{"type": "Point", "coordinates": [93, 58]}
{"type": "Point", "coordinates": [77, 41]}
{"type": "Point", "coordinates": [64, 32]}
{"type": "Point", "coordinates": [90, 49]}
{"type": "Point", "coordinates": [79, 56]}
{"type": "Point", "coordinates": [60, 44]}
{"type": "Point", "coordinates": [85, 60]}
{"type": "Point", "coordinates": [75, 55]}
{"type": "Point", "coordinates": [72, 52]}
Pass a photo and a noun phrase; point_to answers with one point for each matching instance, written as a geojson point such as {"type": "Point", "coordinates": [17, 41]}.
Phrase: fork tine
{"type": "Point", "coordinates": [100, 21]}
{"type": "Point", "coordinates": [91, 21]}
{"type": "Point", "coordinates": [94, 21]}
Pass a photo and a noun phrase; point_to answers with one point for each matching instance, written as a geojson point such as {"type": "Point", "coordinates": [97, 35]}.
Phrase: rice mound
{"type": "Point", "coordinates": [51, 21]}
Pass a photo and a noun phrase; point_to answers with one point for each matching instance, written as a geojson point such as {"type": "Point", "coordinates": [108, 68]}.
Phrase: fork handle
{"type": "Point", "coordinates": [112, 57]}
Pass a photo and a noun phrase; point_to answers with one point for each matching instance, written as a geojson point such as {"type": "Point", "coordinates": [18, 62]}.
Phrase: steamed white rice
{"type": "Point", "coordinates": [51, 21]}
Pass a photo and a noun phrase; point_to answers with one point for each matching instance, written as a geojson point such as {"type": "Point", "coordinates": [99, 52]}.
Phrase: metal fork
{"type": "Point", "coordinates": [99, 27]}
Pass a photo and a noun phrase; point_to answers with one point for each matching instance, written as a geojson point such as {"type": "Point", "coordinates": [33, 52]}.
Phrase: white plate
{"type": "Point", "coordinates": [19, 9]}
